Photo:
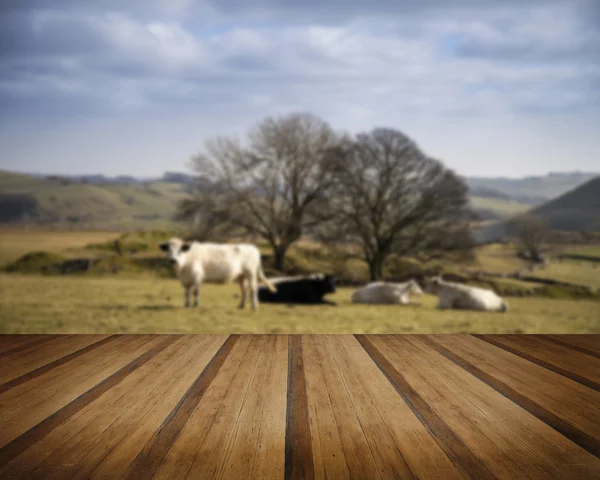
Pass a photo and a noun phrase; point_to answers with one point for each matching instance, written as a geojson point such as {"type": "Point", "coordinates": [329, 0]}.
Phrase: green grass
{"type": "Point", "coordinates": [142, 297]}
{"type": "Point", "coordinates": [17, 242]}
{"type": "Point", "coordinates": [37, 304]}
{"type": "Point", "coordinates": [584, 250]}
{"type": "Point", "coordinates": [578, 273]}
{"type": "Point", "coordinates": [150, 205]}
{"type": "Point", "coordinates": [498, 258]}
{"type": "Point", "coordinates": [504, 208]}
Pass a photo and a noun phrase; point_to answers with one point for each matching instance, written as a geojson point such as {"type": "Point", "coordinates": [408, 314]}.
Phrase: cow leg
{"type": "Point", "coordinates": [187, 297]}
{"type": "Point", "coordinates": [254, 291]}
{"type": "Point", "coordinates": [243, 288]}
{"type": "Point", "coordinates": [196, 294]}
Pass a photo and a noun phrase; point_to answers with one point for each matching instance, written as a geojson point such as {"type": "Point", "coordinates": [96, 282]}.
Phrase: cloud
{"type": "Point", "coordinates": [355, 63]}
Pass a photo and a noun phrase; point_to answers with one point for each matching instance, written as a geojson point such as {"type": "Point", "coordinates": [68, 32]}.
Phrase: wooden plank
{"type": "Point", "coordinates": [386, 453]}
{"type": "Point", "coordinates": [464, 459]}
{"type": "Point", "coordinates": [106, 408]}
{"type": "Point", "coordinates": [155, 449]}
{"type": "Point", "coordinates": [26, 429]}
{"type": "Point", "coordinates": [588, 344]}
{"type": "Point", "coordinates": [520, 448]}
{"type": "Point", "coordinates": [34, 341]}
{"type": "Point", "coordinates": [17, 373]}
{"type": "Point", "coordinates": [541, 392]}
{"type": "Point", "coordinates": [14, 366]}
{"type": "Point", "coordinates": [112, 441]}
{"type": "Point", "coordinates": [213, 453]}
{"type": "Point", "coordinates": [298, 449]}
{"type": "Point", "coordinates": [328, 453]}
{"type": "Point", "coordinates": [227, 385]}
{"type": "Point", "coordinates": [577, 366]}
{"type": "Point", "coordinates": [27, 404]}
{"type": "Point", "coordinates": [269, 457]}
{"type": "Point", "coordinates": [355, 443]}
{"type": "Point", "coordinates": [11, 341]}
{"type": "Point", "coordinates": [244, 439]}
{"type": "Point", "coordinates": [402, 445]}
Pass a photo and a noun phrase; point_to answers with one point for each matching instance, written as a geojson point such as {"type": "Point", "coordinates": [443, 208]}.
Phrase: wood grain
{"type": "Point", "coordinates": [461, 455]}
{"type": "Point", "coordinates": [566, 406]}
{"type": "Point", "coordinates": [148, 460]}
{"type": "Point", "coordinates": [589, 344]}
{"type": "Point", "coordinates": [299, 406]}
{"type": "Point", "coordinates": [21, 370]}
{"type": "Point", "coordinates": [27, 437]}
{"type": "Point", "coordinates": [577, 366]}
{"type": "Point", "coordinates": [298, 449]}
{"type": "Point", "coordinates": [477, 414]}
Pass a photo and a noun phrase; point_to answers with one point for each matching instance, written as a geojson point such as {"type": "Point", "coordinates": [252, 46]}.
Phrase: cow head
{"type": "Point", "coordinates": [414, 288]}
{"type": "Point", "coordinates": [432, 284]}
{"type": "Point", "coordinates": [328, 284]}
{"type": "Point", "coordinates": [176, 250]}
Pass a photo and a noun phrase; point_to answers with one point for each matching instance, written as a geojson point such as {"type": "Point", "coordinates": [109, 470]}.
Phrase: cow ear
{"type": "Point", "coordinates": [185, 247]}
{"type": "Point", "coordinates": [164, 246]}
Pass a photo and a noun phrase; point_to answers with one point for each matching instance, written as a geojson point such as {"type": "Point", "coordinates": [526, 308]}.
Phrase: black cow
{"type": "Point", "coordinates": [304, 290]}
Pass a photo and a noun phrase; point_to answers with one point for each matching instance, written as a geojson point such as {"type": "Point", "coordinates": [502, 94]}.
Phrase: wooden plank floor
{"type": "Point", "coordinates": [300, 406]}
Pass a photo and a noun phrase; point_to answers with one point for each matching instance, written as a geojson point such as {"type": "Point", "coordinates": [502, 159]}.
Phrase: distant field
{"type": "Point", "coordinates": [579, 273]}
{"type": "Point", "coordinates": [502, 207]}
{"type": "Point", "coordinates": [37, 304]}
{"type": "Point", "coordinates": [16, 242]}
{"type": "Point", "coordinates": [71, 203]}
{"type": "Point", "coordinates": [498, 258]}
{"type": "Point", "coordinates": [589, 250]}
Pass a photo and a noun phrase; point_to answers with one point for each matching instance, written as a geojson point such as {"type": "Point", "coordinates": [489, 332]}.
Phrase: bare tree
{"type": "Point", "coordinates": [275, 186]}
{"type": "Point", "coordinates": [391, 198]}
{"type": "Point", "coordinates": [531, 232]}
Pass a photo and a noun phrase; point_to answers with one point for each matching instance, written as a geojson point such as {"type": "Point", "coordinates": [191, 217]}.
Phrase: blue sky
{"type": "Point", "coordinates": [506, 88]}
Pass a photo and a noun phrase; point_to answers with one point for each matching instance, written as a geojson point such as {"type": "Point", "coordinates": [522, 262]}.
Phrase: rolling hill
{"type": "Point", "coordinates": [529, 190]}
{"type": "Point", "coordinates": [577, 211]}
{"type": "Point", "coordinates": [60, 200]}
{"type": "Point", "coordinates": [125, 201]}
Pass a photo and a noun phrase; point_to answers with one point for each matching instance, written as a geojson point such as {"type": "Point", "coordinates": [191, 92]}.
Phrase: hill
{"type": "Point", "coordinates": [577, 210]}
{"type": "Point", "coordinates": [533, 190]}
{"type": "Point", "coordinates": [126, 201]}
{"type": "Point", "coordinates": [69, 201]}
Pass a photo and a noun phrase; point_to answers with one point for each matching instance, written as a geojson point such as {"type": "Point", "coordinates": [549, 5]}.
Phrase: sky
{"type": "Point", "coordinates": [491, 88]}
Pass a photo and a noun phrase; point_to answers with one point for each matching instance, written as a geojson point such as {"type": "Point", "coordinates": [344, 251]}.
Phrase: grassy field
{"type": "Point", "coordinates": [140, 299]}
{"type": "Point", "coordinates": [17, 242]}
{"type": "Point", "coordinates": [36, 304]}
{"type": "Point", "coordinates": [579, 273]}
{"type": "Point", "coordinates": [504, 208]}
{"type": "Point", "coordinates": [584, 250]}
{"type": "Point", "coordinates": [121, 206]}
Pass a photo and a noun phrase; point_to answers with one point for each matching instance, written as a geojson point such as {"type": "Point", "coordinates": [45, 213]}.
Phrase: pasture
{"type": "Point", "coordinates": [16, 242]}
{"type": "Point", "coordinates": [38, 304]}
{"type": "Point", "coordinates": [144, 300]}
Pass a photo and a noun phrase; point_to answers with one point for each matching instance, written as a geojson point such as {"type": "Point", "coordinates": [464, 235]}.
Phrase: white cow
{"type": "Point", "coordinates": [464, 297]}
{"type": "Point", "coordinates": [386, 293]}
{"type": "Point", "coordinates": [196, 263]}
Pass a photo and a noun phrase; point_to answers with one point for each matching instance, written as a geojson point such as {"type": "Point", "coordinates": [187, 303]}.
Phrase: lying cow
{"type": "Point", "coordinates": [386, 293]}
{"type": "Point", "coordinates": [196, 263]}
{"type": "Point", "coordinates": [308, 289]}
{"type": "Point", "coordinates": [464, 297]}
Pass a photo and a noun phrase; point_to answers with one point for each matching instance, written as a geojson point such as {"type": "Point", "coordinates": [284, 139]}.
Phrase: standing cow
{"type": "Point", "coordinates": [196, 263]}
